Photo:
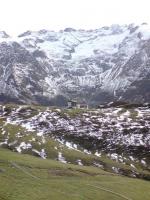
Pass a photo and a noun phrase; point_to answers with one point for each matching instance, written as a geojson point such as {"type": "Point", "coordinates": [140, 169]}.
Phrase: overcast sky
{"type": "Point", "coordinates": [17, 16]}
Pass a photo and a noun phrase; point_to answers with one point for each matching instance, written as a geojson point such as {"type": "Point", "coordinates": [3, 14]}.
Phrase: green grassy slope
{"type": "Point", "coordinates": [24, 177]}
{"type": "Point", "coordinates": [70, 155]}
{"type": "Point", "coordinates": [14, 134]}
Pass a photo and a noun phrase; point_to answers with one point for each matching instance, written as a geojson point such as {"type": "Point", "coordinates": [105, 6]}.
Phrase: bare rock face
{"type": "Point", "coordinates": [110, 63]}
{"type": "Point", "coordinates": [19, 70]}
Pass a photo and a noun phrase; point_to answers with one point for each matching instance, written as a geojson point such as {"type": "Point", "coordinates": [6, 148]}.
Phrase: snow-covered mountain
{"type": "Point", "coordinates": [109, 63]}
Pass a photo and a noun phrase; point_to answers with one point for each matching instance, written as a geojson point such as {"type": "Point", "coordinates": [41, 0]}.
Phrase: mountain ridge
{"type": "Point", "coordinates": [101, 65]}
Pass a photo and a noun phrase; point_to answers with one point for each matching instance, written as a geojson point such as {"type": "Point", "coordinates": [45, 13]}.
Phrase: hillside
{"type": "Point", "coordinates": [115, 139]}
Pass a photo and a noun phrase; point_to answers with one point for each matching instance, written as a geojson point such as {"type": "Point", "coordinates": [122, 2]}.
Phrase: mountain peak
{"type": "Point", "coordinates": [3, 34]}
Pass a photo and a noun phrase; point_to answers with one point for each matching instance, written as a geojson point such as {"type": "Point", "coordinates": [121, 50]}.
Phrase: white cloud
{"type": "Point", "coordinates": [17, 16]}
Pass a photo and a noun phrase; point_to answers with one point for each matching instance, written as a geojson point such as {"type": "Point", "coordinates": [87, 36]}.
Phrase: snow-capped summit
{"type": "Point", "coordinates": [3, 34]}
{"type": "Point", "coordinates": [96, 65]}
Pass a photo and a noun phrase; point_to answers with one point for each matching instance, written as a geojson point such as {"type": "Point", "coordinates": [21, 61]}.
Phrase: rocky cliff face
{"type": "Point", "coordinates": [110, 63]}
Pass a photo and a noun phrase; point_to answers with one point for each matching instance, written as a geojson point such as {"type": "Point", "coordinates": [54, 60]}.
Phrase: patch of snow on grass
{"type": "Point", "coordinates": [23, 146]}
{"type": "Point", "coordinates": [79, 162]}
{"type": "Point", "coordinates": [61, 158]}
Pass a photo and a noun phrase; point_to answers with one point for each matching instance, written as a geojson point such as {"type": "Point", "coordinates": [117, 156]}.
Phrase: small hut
{"type": "Point", "coordinates": [77, 104]}
{"type": "Point", "coordinates": [72, 104]}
